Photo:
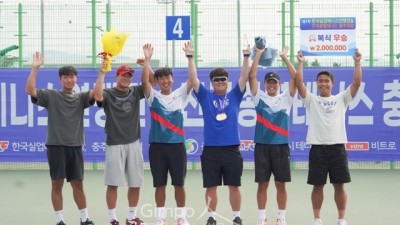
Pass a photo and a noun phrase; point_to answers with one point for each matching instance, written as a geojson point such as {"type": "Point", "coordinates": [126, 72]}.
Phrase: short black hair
{"type": "Point", "coordinates": [67, 70]}
{"type": "Point", "coordinates": [163, 71]}
{"type": "Point", "coordinates": [218, 72]}
{"type": "Point", "coordinates": [328, 73]}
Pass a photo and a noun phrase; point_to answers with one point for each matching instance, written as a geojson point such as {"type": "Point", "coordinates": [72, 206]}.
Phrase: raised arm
{"type": "Point", "coordinates": [152, 79]}
{"type": "Point", "coordinates": [299, 75]}
{"type": "Point", "coordinates": [244, 73]}
{"type": "Point", "coordinates": [253, 71]}
{"type": "Point", "coordinates": [357, 73]}
{"type": "Point", "coordinates": [148, 53]}
{"type": "Point", "coordinates": [291, 69]}
{"type": "Point", "coordinates": [97, 92]}
{"type": "Point", "coordinates": [193, 81]}
{"type": "Point", "coordinates": [37, 61]}
{"type": "Point", "coordinates": [102, 72]}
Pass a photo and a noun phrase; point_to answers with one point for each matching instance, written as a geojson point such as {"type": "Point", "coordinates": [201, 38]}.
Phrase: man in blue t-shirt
{"type": "Point", "coordinates": [221, 159]}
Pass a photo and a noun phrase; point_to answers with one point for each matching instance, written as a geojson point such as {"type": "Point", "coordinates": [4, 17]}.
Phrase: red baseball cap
{"type": "Point", "coordinates": [124, 69]}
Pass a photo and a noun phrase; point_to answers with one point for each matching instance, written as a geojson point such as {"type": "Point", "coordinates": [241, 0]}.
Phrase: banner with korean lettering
{"type": "Point", "coordinates": [372, 120]}
{"type": "Point", "coordinates": [334, 36]}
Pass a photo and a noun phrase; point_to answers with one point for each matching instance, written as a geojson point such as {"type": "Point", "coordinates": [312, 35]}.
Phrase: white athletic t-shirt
{"type": "Point", "coordinates": [326, 116]}
{"type": "Point", "coordinates": [167, 115]}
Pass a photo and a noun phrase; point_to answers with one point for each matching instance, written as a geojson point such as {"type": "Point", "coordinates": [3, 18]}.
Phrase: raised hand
{"type": "Point", "coordinates": [300, 56]}
{"type": "Point", "coordinates": [105, 64]}
{"type": "Point", "coordinates": [140, 61]}
{"type": "Point", "coordinates": [148, 51]}
{"type": "Point", "coordinates": [246, 51]}
{"type": "Point", "coordinates": [261, 50]}
{"type": "Point", "coordinates": [37, 60]}
{"type": "Point", "coordinates": [284, 52]}
{"type": "Point", "coordinates": [188, 49]}
{"type": "Point", "coordinates": [357, 56]}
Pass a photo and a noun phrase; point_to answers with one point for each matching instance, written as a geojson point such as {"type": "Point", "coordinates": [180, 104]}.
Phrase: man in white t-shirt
{"type": "Point", "coordinates": [327, 136]}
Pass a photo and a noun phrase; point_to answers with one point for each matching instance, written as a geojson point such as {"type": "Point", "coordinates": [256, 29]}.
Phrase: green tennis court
{"type": "Point", "coordinates": [373, 198]}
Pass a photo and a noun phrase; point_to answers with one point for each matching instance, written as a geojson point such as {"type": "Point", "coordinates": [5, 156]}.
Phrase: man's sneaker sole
{"type": "Point", "coordinates": [237, 221]}
{"type": "Point", "coordinates": [114, 222]}
{"type": "Point", "coordinates": [135, 221]}
{"type": "Point", "coordinates": [211, 221]}
{"type": "Point", "coordinates": [87, 222]}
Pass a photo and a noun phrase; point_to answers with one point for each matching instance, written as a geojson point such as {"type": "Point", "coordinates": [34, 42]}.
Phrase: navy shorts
{"type": "Point", "coordinates": [272, 159]}
{"type": "Point", "coordinates": [327, 160]}
{"type": "Point", "coordinates": [65, 162]}
{"type": "Point", "coordinates": [167, 157]}
{"type": "Point", "coordinates": [221, 163]}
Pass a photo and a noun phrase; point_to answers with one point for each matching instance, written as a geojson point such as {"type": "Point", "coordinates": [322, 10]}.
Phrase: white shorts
{"type": "Point", "coordinates": [124, 163]}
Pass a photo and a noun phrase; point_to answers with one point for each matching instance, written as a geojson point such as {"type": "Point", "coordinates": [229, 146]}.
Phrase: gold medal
{"type": "Point", "coordinates": [221, 116]}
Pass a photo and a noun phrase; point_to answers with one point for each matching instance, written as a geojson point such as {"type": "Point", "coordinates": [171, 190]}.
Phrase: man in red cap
{"type": "Point", "coordinates": [124, 158]}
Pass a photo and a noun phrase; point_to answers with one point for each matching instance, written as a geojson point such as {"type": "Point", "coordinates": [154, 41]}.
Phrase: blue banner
{"type": "Point", "coordinates": [372, 120]}
{"type": "Point", "coordinates": [328, 23]}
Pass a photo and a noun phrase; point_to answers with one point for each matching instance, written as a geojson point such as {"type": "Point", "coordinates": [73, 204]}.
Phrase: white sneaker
{"type": "Point", "coordinates": [316, 221]}
{"type": "Point", "coordinates": [262, 222]}
{"type": "Point", "coordinates": [280, 222]}
{"type": "Point", "coordinates": [182, 221]}
{"type": "Point", "coordinates": [161, 222]}
{"type": "Point", "coordinates": [341, 222]}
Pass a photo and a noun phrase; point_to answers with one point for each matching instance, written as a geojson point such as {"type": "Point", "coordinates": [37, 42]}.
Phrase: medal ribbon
{"type": "Point", "coordinates": [220, 103]}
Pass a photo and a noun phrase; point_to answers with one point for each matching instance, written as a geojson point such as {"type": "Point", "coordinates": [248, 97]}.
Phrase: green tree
{"type": "Point", "coordinates": [315, 63]}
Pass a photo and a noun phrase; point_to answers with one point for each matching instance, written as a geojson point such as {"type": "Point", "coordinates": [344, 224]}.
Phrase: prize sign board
{"type": "Point", "coordinates": [333, 36]}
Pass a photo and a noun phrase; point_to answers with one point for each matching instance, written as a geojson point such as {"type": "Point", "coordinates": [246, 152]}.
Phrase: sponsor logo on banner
{"type": "Point", "coordinates": [3, 145]}
{"type": "Point", "coordinates": [191, 146]}
{"type": "Point", "coordinates": [247, 145]}
{"type": "Point", "coordinates": [357, 146]}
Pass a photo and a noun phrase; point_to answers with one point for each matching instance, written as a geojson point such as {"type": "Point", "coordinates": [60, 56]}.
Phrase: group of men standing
{"type": "Point", "coordinates": [221, 160]}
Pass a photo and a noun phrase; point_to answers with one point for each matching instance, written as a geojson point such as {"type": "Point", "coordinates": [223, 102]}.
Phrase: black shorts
{"type": "Point", "coordinates": [328, 159]}
{"type": "Point", "coordinates": [65, 162]}
{"type": "Point", "coordinates": [221, 163]}
{"type": "Point", "coordinates": [272, 159]}
{"type": "Point", "coordinates": [164, 158]}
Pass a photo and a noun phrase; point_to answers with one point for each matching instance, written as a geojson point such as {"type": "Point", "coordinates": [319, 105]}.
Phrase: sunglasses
{"type": "Point", "coordinates": [219, 79]}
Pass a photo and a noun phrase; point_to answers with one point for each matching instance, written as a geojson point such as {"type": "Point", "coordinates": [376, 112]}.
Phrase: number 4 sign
{"type": "Point", "coordinates": [178, 28]}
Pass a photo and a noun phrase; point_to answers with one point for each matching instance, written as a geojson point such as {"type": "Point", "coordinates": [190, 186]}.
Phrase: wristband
{"type": "Point", "coordinates": [189, 56]}
{"type": "Point", "coordinates": [246, 55]}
